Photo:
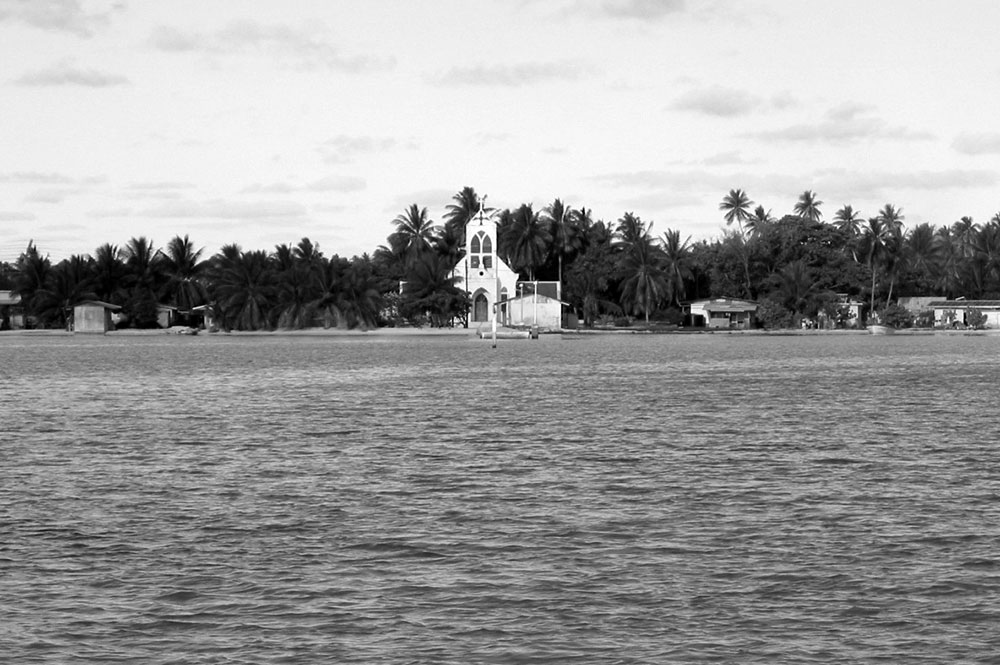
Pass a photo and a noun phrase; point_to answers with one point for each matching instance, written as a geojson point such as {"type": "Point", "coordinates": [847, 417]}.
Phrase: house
{"type": "Point", "coordinates": [486, 278]}
{"type": "Point", "coordinates": [11, 316]}
{"type": "Point", "coordinates": [93, 316]}
{"type": "Point", "coordinates": [536, 304]}
{"type": "Point", "coordinates": [722, 313]}
{"type": "Point", "coordinates": [954, 313]}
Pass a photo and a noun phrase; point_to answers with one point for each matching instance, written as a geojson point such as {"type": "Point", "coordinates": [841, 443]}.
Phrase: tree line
{"type": "Point", "coordinates": [796, 266]}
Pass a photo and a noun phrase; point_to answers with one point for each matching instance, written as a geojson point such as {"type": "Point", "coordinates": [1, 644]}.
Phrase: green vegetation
{"type": "Point", "coordinates": [793, 266]}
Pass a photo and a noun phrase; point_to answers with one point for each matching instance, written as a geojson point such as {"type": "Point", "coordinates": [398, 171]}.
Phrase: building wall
{"type": "Point", "coordinates": [91, 319]}
{"type": "Point", "coordinates": [534, 310]}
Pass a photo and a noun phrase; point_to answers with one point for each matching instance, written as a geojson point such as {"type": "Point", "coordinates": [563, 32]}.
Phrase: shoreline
{"type": "Point", "coordinates": [474, 332]}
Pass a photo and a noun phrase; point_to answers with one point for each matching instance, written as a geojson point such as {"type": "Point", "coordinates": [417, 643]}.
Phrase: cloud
{"type": "Point", "coordinates": [6, 216]}
{"type": "Point", "coordinates": [327, 184]}
{"type": "Point", "coordinates": [35, 178]}
{"type": "Point", "coordinates": [832, 183]}
{"type": "Point", "coordinates": [230, 210]}
{"type": "Point", "coordinates": [343, 149]}
{"type": "Point", "coordinates": [515, 75]}
{"type": "Point", "coordinates": [843, 124]}
{"type": "Point", "coordinates": [304, 47]}
{"type": "Point", "coordinates": [717, 101]}
{"type": "Point", "coordinates": [57, 15]}
{"type": "Point", "coordinates": [977, 144]}
{"type": "Point", "coordinates": [643, 10]}
{"type": "Point", "coordinates": [51, 195]}
{"type": "Point", "coordinates": [337, 184]}
{"type": "Point", "coordinates": [165, 189]}
{"type": "Point", "coordinates": [65, 72]}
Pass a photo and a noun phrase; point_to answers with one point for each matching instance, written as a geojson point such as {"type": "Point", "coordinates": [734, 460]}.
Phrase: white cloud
{"type": "Point", "coordinates": [641, 10]}
{"type": "Point", "coordinates": [844, 124]}
{"type": "Point", "coordinates": [717, 101]}
{"type": "Point", "coordinates": [7, 216]}
{"type": "Point", "coordinates": [987, 143]}
{"type": "Point", "coordinates": [57, 15]}
{"type": "Point", "coordinates": [515, 75]}
{"type": "Point", "coordinates": [220, 209]}
{"type": "Point", "coordinates": [307, 47]}
{"type": "Point", "coordinates": [65, 72]}
{"type": "Point", "coordinates": [343, 149]}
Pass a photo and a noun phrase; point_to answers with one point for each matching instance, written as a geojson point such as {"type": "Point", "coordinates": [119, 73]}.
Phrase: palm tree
{"type": "Point", "coordinates": [645, 283]}
{"type": "Point", "coordinates": [144, 280]}
{"type": "Point", "coordinates": [921, 251]}
{"type": "Point", "coordinates": [526, 241]}
{"type": "Point", "coordinates": [109, 274]}
{"type": "Point", "coordinates": [465, 207]}
{"type": "Point", "coordinates": [964, 232]}
{"type": "Point", "coordinates": [848, 220]}
{"type": "Point", "coordinates": [182, 264]}
{"type": "Point", "coordinates": [31, 275]}
{"type": "Point", "coordinates": [736, 204]}
{"type": "Point", "coordinates": [676, 265]}
{"type": "Point", "coordinates": [797, 287]}
{"type": "Point", "coordinates": [947, 271]}
{"type": "Point", "coordinates": [69, 284]}
{"type": "Point", "coordinates": [631, 230]}
{"type": "Point", "coordinates": [873, 247]}
{"type": "Point", "coordinates": [432, 291]}
{"type": "Point", "coordinates": [759, 219]}
{"type": "Point", "coordinates": [245, 290]}
{"type": "Point", "coordinates": [891, 219]}
{"type": "Point", "coordinates": [808, 206]}
{"type": "Point", "coordinates": [414, 232]}
{"type": "Point", "coordinates": [567, 240]}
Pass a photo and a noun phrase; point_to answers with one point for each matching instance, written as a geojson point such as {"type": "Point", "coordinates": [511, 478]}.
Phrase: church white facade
{"type": "Point", "coordinates": [486, 278]}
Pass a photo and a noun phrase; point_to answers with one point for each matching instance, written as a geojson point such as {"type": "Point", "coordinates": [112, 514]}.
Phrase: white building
{"type": "Point", "coordinates": [954, 313]}
{"type": "Point", "coordinates": [722, 313]}
{"type": "Point", "coordinates": [484, 277]}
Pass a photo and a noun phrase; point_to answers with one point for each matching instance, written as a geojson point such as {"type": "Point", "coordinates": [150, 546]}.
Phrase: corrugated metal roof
{"type": "Point", "coordinates": [960, 304]}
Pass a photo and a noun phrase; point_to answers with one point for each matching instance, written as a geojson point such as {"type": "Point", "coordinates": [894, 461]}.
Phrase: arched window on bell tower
{"type": "Point", "coordinates": [481, 251]}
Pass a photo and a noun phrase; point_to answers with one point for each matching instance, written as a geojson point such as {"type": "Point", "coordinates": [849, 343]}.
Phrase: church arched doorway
{"type": "Point", "coordinates": [480, 308]}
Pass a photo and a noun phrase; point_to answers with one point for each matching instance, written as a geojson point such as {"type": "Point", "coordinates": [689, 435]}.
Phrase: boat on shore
{"type": "Point", "coordinates": [880, 329]}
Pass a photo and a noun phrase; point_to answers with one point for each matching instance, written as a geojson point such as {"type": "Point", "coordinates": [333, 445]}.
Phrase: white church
{"type": "Point", "coordinates": [494, 289]}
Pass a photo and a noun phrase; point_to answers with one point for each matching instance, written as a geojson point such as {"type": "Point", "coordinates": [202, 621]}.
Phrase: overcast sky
{"type": "Point", "coordinates": [259, 122]}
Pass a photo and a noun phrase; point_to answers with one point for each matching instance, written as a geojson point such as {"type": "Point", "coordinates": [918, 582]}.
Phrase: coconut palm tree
{"type": "Point", "coordinates": [808, 206]}
{"type": "Point", "coordinates": [414, 232]}
{"type": "Point", "coordinates": [109, 274]}
{"type": "Point", "coordinates": [736, 205]}
{"type": "Point", "coordinates": [631, 230]}
{"type": "Point", "coordinates": [185, 289]}
{"type": "Point", "coordinates": [69, 284]}
{"type": "Point", "coordinates": [676, 265]}
{"type": "Point", "coordinates": [31, 275]}
{"type": "Point", "coordinates": [644, 285]}
{"type": "Point", "coordinates": [432, 292]}
{"type": "Point", "coordinates": [964, 231]}
{"type": "Point", "coordinates": [891, 219]}
{"type": "Point", "coordinates": [144, 281]}
{"type": "Point", "coordinates": [526, 240]}
{"type": "Point", "coordinates": [457, 215]}
{"type": "Point", "coordinates": [758, 219]}
{"type": "Point", "coordinates": [567, 240]}
{"type": "Point", "coordinates": [245, 290]}
{"type": "Point", "coordinates": [947, 271]}
{"type": "Point", "coordinates": [797, 287]}
{"type": "Point", "coordinates": [848, 220]}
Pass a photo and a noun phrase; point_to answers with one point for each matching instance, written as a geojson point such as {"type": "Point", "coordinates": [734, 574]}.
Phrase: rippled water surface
{"type": "Point", "coordinates": [599, 499]}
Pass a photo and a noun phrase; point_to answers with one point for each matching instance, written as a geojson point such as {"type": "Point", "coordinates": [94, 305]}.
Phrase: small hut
{"type": "Point", "coordinates": [93, 316]}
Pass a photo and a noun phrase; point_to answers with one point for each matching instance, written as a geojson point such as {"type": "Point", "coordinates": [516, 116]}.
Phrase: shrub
{"type": "Point", "coordinates": [896, 316]}
{"type": "Point", "coordinates": [772, 315]}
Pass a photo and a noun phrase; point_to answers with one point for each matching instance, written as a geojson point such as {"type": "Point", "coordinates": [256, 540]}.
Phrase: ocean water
{"type": "Point", "coordinates": [592, 499]}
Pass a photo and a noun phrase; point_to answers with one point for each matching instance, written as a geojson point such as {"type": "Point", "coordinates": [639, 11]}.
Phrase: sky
{"type": "Point", "coordinates": [260, 122]}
